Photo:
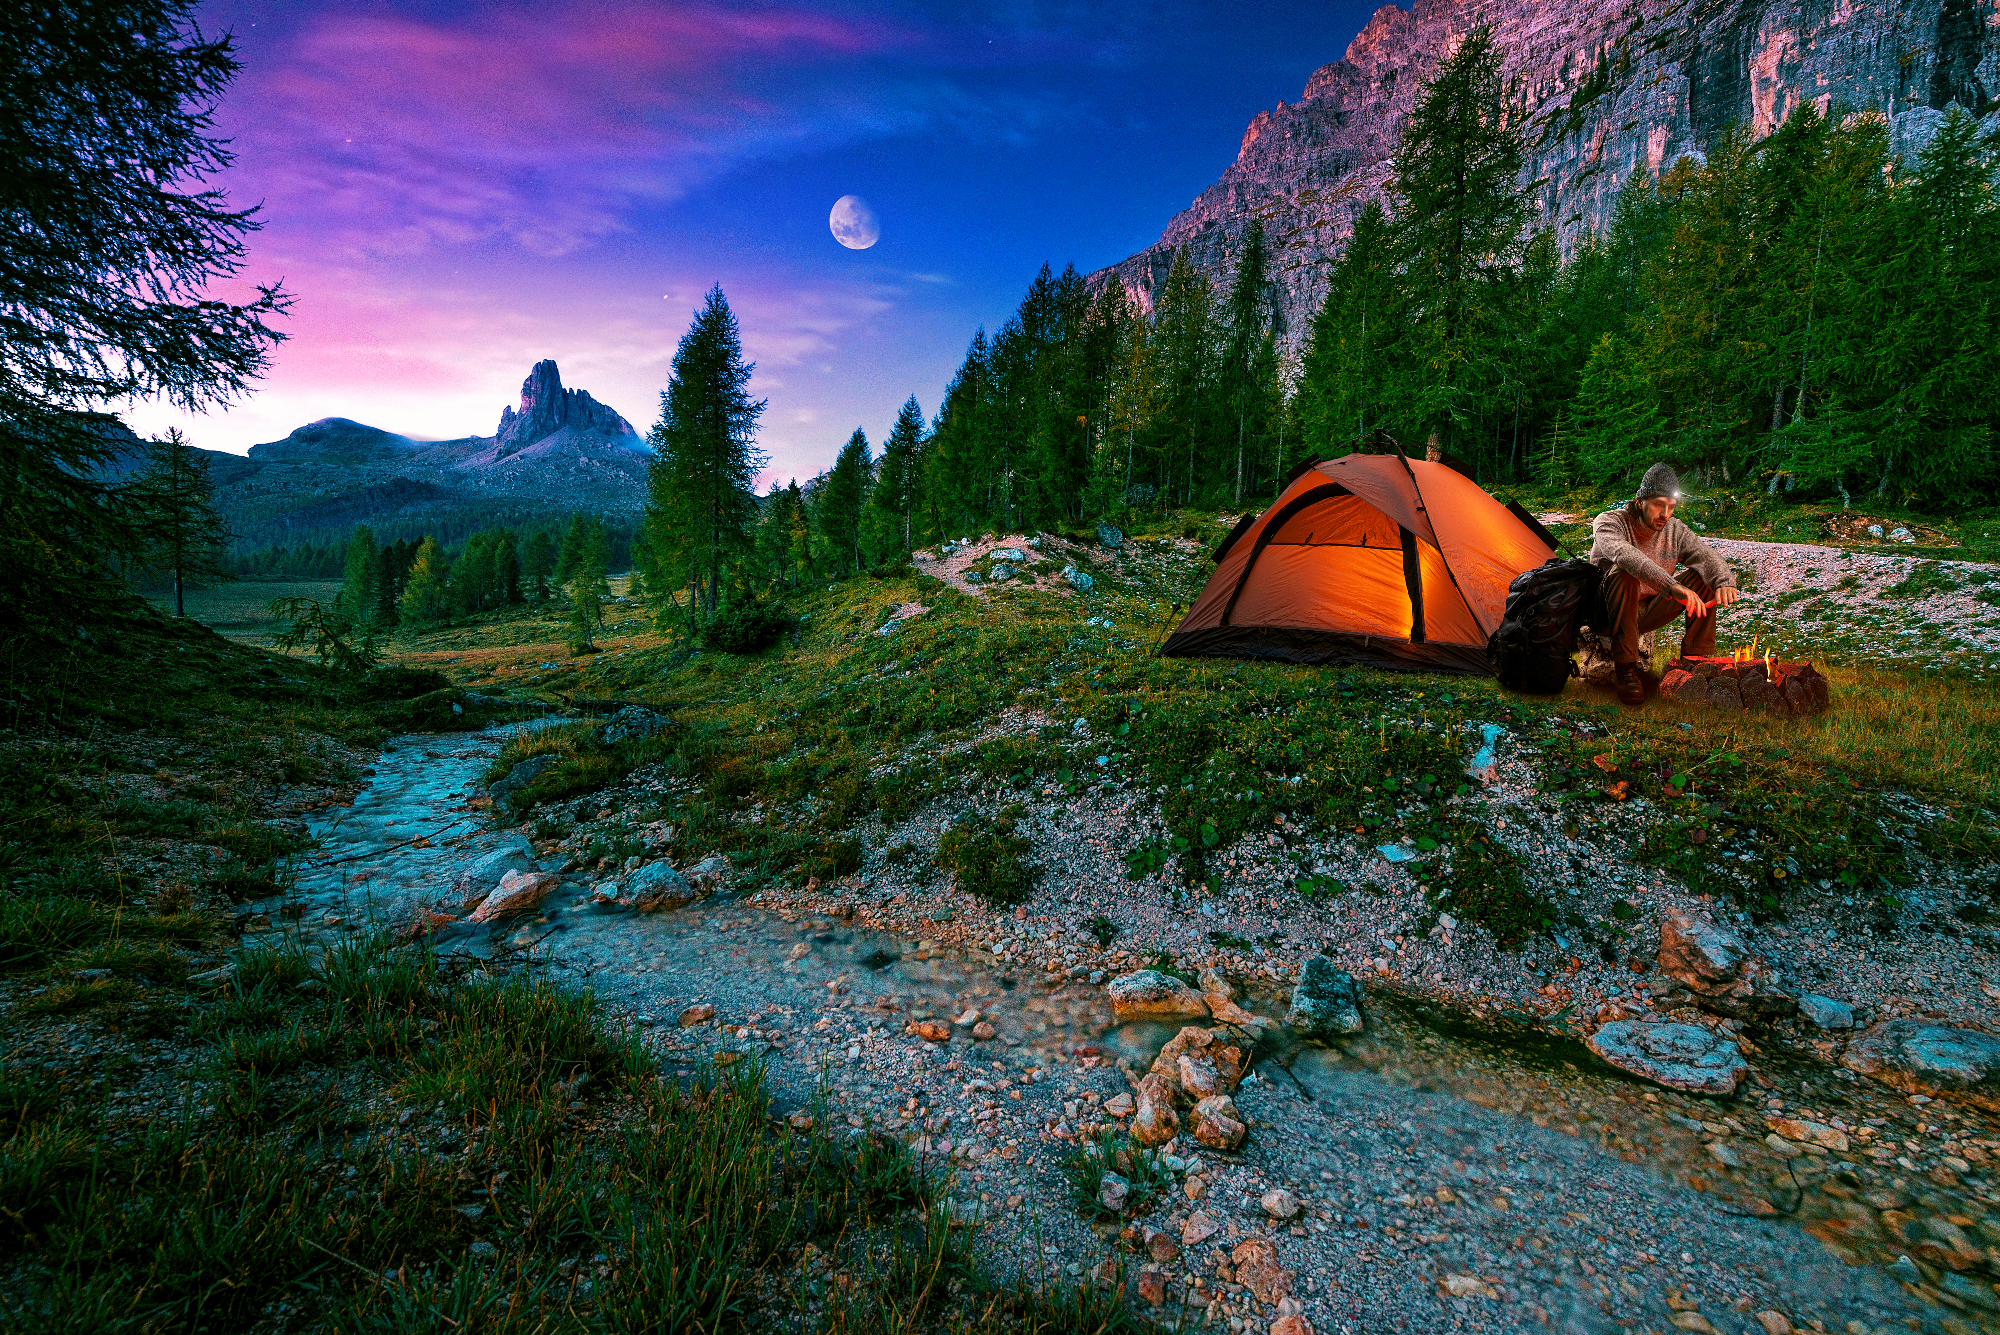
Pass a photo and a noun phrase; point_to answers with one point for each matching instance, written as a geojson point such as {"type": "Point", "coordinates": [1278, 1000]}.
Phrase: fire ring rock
{"type": "Point", "coordinates": [1929, 1059]}
{"type": "Point", "coordinates": [1148, 994]}
{"type": "Point", "coordinates": [1327, 1001]}
{"type": "Point", "coordinates": [1679, 1056]}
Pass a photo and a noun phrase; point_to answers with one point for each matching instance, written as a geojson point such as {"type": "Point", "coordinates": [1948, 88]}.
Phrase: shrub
{"type": "Point", "coordinates": [988, 858]}
{"type": "Point", "coordinates": [747, 628]}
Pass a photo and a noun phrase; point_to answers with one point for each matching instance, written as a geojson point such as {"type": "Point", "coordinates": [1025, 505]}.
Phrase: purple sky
{"type": "Point", "coordinates": [454, 191]}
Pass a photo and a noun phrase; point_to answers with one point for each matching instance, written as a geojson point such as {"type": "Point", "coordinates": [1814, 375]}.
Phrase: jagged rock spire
{"type": "Point", "coordinates": [546, 408]}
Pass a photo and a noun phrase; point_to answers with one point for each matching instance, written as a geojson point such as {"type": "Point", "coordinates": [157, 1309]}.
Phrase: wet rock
{"type": "Point", "coordinates": [1291, 1324]}
{"type": "Point", "coordinates": [983, 1031]}
{"type": "Point", "coordinates": [1782, 1147]}
{"type": "Point", "coordinates": [1279, 1203]}
{"type": "Point", "coordinates": [658, 886]}
{"type": "Point", "coordinates": [1810, 1133]}
{"type": "Point", "coordinates": [1257, 1270]}
{"type": "Point", "coordinates": [1148, 994]}
{"type": "Point", "coordinates": [1192, 1038]}
{"type": "Point", "coordinates": [1198, 1077]}
{"type": "Point", "coordinates": [931, 1031]}
{"type": "Point", "coordinates": [1919, 1058]}
{"type": "Point", "coordinates": [1220, 996]}
{"type": "Point", "coordinates": [699, 1013]}
{"type": "Point", "coordinates": [1725, 1154]}
{"type": "Point", "coordinates": [1718, 967]}
{"type": "Point", "coordinates": [479, 878]}
{"type": "Point", "coordinates": [1774, 1323]}
{"type": "Point", "coordinates": [1679, 1056]}
{"type": "Point", "coordinates": [709, 872]}
{"type": "Point", "coordinates": [507, 791]}
{"type": "Point", "coordinates": [1112, 1192]}
{"type": "Point", "coordinates": [1826, 1012]}
{"type": "Point", "coordinates": [1326, 1003]}
{"type": "Point", "coordinates": [1155, 1122]}
{"type": "Point", "coordinates": [1199, 1228]}
{"type": "Point", "coordinates": [1216, 1123]}
{"type": "Point", "coordinates": [517, 892]}
{"type": "Point", "coordinates": [1469, 1286]}
{"type": "Point", "coordinates": [632, 723]}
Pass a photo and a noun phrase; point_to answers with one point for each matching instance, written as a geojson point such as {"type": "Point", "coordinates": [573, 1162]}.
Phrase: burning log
{"type": "Point", "coordinates": [1743, 682]}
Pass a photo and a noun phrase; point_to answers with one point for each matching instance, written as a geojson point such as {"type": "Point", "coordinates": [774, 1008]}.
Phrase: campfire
{"type": "Point", "coordinates": [1746, 680]}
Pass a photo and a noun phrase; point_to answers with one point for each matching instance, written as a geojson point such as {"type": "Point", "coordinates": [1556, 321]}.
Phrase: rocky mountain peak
{"type": "Point", "coordinates": [546, 408]}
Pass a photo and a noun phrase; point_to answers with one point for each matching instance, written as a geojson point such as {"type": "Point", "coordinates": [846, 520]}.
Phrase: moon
{"type": "Point", "coordinates": [853, 223]}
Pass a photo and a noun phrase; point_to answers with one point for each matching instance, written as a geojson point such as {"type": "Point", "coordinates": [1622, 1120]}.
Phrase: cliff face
{"type": "Point", "coordinates": [1608, 85]}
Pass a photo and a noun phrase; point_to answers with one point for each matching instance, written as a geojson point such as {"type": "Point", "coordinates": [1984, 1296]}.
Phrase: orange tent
{"type": "Point", "coordinates": [1371, 559]}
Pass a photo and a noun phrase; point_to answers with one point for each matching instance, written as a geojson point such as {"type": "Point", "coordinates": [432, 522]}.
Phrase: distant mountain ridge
{"type": "Point", "coordinates": [1607, 86]}
{"type": "Point", "coordinates": [559, 451]}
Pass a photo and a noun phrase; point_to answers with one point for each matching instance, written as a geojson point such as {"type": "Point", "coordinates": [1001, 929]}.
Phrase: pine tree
{"type": "Point", "coordinates": [427, 595]}
{"type": "Point", "coordinates": [1248, 369]}
{"type": "Point", "coordinates": [587, 590]}
{"type": "Point", "coordinates": [1184, 346]}
{"type": "Point", "coordinates": [700, 505]}
{"type": "Point", "coordinates": [112, 266]}
{"type": "Point", "coordinates": [1462, 209]}
{"type": "Point", "coordinates": [506, 569]}
{"type": "Point", "coordinates": [1348, 382]}
{"type": "Point", "coordinates": [358, 574]}
{"type": "Point", "coordinates": [892, 502]}
{"type": "Point", "coordinates": [173, 500]}
{"type": "Point", "coordinates": [571, 551]}
{"type": "Point", "coordinates": [538, 564]}
{"type": "Point", "coordinates": [842, 501]}
{"type": "Point", "coordinates": [1617, 421]}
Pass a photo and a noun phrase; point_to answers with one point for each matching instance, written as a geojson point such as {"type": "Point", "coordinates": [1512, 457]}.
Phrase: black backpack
{"type": "Point", "coordinates": [1530, 653]}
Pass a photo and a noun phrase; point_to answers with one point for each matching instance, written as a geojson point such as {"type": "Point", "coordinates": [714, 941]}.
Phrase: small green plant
{"type": "Point", "coordinates": [988, 858]}
{"type": "Point", "coordinates": [1485, 886]}
{"type": "Point", "coordinates": [1102, 930]}
{"type": "Point", "coordinates": [1111, 1151]}
{"type": "Point", "coordinates": [1152, 856]}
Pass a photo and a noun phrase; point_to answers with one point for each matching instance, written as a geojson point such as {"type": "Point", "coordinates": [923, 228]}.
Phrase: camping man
{"type": "Point", "coordinates": [1640, 546]}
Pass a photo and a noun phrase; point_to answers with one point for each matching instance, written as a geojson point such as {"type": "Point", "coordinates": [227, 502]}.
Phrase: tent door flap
{"type": "Point", "coordinates": [1413, 579]}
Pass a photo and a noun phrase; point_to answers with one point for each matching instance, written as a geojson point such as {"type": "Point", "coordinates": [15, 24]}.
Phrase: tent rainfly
{"type": "Point", "coordinates": [1370, 559]}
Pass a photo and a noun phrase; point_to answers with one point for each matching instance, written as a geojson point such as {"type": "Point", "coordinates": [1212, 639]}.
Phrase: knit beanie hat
{"type": "Point", "coordinates": [1660, 480]}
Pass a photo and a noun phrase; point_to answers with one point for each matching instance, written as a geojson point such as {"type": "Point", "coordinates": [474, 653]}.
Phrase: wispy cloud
{"type": "Point", "coordinates": [544, 126]}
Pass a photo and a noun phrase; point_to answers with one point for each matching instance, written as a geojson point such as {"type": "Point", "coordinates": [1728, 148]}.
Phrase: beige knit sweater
{"type": "Point", "coordinates": [1652, 558]}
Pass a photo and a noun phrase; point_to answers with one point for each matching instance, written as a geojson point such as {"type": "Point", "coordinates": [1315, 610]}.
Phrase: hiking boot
{"type": "Point", "coordinates": [1631, 684]}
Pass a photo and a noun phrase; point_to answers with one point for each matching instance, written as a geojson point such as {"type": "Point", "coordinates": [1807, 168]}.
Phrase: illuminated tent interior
{"type": "Point", "coordinates": [1368, 559]}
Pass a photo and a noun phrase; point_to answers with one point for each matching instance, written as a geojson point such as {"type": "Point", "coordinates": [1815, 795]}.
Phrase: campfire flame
{"type": "Point", "coordinates": [1750, 655]}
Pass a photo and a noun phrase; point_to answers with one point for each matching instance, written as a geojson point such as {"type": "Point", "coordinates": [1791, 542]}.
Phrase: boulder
{"type": "Point", "coordinates": [632, 723]}
{"type": "Point", "coordinates": [518, 892]}
{"type": "Point", "coordinates": [1079, 581]}
{"type": "Point", "coordinates": [1919, 1058]}
{"type": "Point", "coordinates": [1107, 536]}
{"type": "Point", "coordinates": [1148, 994]}
{"type": "Point", "coordinates": [1326, 1003]}
{"type": "Point", "coordinates": [1216, 1123]}
{"type": "Point", "coordinates": [1679, 1056]}
{"type": "Point", "coordinates": [1155, 1122]}
{"type": "Point", "coordinates": [1826, 1013]}
{"type": "Point", "coordinates": [1718, 967]}
{"type": "Point", "coordinates": [483, 873]}
{"type": "Point", "coordinates": [506, 791]}
{"type": "Point", "coordinates": [657, 886]}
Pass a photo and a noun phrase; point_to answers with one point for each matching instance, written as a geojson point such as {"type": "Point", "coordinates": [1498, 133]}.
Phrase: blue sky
{"type": "Point", "coordinates": [454, 191]}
